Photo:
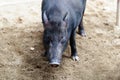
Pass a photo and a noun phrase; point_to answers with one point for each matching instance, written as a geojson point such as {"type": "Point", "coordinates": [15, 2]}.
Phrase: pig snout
{"type": "Point", "coordinates": [54, 62]}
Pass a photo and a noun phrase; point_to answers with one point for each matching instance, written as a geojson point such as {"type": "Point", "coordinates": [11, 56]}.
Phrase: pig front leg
{"type": "Point", "coordinates": [74, 54]}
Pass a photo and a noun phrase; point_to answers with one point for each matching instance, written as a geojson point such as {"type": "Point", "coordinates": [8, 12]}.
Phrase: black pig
{"type": "Point", "coordinates": [60, 20]}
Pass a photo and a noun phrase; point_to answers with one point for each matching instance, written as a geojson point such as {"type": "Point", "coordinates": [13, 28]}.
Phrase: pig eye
{"type": "Point", "coordinates": [63, 40]}
{"type": "Point", "coordinates": [62, 37]}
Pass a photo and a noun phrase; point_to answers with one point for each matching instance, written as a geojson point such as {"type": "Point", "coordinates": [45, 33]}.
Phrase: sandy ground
{"type": "Point", "coordinates": [21, 29]}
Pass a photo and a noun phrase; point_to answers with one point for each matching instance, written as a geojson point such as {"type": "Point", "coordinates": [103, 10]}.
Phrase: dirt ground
{"type": "Point", "coordinates": [21, 30]}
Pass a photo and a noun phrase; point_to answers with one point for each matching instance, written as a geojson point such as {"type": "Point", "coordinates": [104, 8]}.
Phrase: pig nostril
{"type": "Point", "coordinates": [54, 64]}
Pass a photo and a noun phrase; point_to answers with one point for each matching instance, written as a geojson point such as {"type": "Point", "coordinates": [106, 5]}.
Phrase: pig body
{"type": "Point", "coordinates": [60, 20]}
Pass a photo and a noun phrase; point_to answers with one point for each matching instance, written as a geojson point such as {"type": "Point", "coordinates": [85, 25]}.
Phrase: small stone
{"type": "Point", "coordinates": [32, 48]}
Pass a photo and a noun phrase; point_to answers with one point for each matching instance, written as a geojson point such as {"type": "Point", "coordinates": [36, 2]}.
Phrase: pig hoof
{"type": "Point", "coordinates": [82, 33]}
{"type": "Point", "coordinates": [75, 58]}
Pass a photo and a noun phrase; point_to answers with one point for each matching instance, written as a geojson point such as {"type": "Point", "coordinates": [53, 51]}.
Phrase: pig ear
{"type": "Point", "coordinates": [45, 17]}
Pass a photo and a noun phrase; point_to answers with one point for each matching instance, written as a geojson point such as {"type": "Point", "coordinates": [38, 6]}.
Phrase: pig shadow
{"type": "Point", "coordinates": [40, 67]}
